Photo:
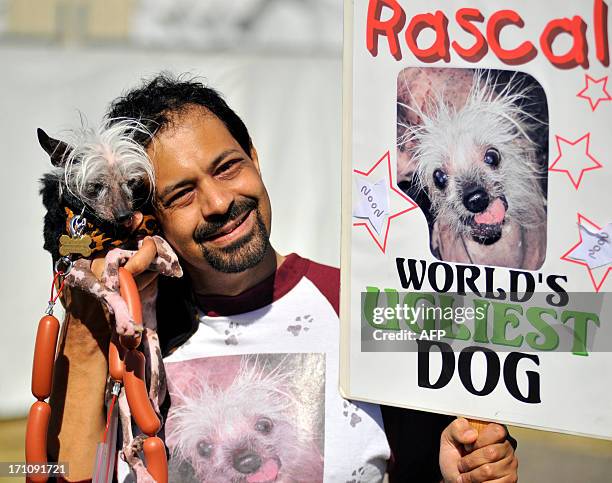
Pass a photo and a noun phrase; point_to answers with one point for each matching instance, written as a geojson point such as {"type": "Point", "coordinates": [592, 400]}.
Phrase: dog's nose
{"type": "Point", "coordinates": [247, 462]}
{"type": "Point", "coordinates": [476, 200]}
{"type": "Point", "coordinates": [123, 216]}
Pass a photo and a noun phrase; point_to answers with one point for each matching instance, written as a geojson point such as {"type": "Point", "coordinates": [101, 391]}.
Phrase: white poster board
{"type": "Point", "coordinates": [476, 210]}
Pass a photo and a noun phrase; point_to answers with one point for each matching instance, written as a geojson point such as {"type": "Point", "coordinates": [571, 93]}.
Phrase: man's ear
{"type": "Point", "coordinates": [56, 149]}
{"type": "Point", "coordinates": [255, 159]}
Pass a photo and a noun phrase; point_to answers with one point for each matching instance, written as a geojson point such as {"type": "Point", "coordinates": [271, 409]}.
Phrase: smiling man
{"type": "Point", "coordinates": [212, 202]}
{"type": "Point", "coordinates": [250, 337]}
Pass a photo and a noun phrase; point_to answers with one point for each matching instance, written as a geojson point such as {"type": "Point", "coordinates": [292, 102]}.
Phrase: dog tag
{"type": "Point", "coordinates": [79, 245]}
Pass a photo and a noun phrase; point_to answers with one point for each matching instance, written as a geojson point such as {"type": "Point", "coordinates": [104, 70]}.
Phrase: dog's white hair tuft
{"type": "Point", "coordinates": [93, 150]}
{"type": "Point", "coordinates": [449, 137]}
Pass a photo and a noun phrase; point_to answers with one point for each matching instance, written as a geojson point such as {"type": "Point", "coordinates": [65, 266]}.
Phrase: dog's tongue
{"type": "Point", "coordinates": [267, 472]}
{"type": "Point", "coordinates": [493, 215]}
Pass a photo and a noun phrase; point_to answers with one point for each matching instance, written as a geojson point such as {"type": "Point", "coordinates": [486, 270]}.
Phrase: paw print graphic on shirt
{"type": "Point", "coordinates": [232, 333]}
{"type": "Point", "coordinates": [302, 322]}
{"type": "Point", "coordinates": [350, 412]}
{"type": "Point", "coordinates": [357, 476]}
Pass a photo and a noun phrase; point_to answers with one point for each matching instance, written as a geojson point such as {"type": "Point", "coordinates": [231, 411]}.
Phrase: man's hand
{"type": "Point", "coordinates": [467, 456]}
{"type": "Point", "coordinates": [138, 265]}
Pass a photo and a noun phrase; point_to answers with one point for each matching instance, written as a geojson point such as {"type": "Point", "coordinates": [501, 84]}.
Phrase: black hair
{"type": "Point", "coordinates": [154, 102]}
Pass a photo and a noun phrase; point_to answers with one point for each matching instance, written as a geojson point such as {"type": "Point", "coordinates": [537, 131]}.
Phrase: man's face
{"type": "Point", "coordinates": [211, 201]}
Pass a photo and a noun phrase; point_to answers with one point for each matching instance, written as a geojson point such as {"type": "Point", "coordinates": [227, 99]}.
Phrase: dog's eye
{"type": "Point", "coordinates": [492, 157]}
{"type": "Point", "coordinates": [134, 183]}
{"type": "Point", "coordinates": [263, 425]}
{"type": "Point", "coordinates": [440, 178]}
{"type": "Point", "coordinates": [94, 189]}
{"type": "Point", "coordinates": [204, 448]}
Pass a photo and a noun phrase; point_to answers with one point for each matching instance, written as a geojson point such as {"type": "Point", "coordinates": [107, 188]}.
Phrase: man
{"type": "Point", "coordinates": [251, 336]}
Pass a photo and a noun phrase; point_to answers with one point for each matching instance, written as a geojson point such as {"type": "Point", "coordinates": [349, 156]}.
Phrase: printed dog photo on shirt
{"type": "Point", "coordinates": [247, 418]}
{"type": "Point", "coordinates": [472, 152]}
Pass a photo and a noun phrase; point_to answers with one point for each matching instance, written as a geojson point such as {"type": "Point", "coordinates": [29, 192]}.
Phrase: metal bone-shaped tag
{"type": "Point", "coordinates": [78, 245]}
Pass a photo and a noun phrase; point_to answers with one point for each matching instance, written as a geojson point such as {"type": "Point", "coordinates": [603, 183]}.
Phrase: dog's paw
{"type": "Point", "coordinates": [232, 332]}
{"type": "Point", "coordinates": [126, 328]}
{"type": "Point", "coordinates": [357, 476]}
{"type": "Point", "coordinates": [350, 411]}
{"type": "Point", "coordinates": [124, 324]}
{"type": "Point", "coordinates": [302, 324]}
{"type": "Point", "coordinates": [166, 261]}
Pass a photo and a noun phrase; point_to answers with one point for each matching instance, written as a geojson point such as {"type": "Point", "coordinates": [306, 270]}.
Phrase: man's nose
{"type": "Point", "coordinates": [215, 199]}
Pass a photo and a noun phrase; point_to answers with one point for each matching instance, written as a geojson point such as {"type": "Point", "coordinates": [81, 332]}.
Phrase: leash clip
{"type": "Point", "coordinates": [63, 266]}
{"type": "Point", "coordinates": [49, 309]}
{"type": "Point", "coordinates": [116, 388]}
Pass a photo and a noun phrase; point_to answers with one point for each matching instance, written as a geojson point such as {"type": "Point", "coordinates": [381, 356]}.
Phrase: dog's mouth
{"type": "Point", "coordinates": [267, 472]}
{"type": "Point", "coordinates": [487, 226]}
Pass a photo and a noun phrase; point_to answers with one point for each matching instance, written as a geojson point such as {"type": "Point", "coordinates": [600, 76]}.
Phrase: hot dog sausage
{"type": "Point", "coordinates": [155, 459]}
{"type": "Point", "coordinates": [44, 356]}
{"type": "Point", "coordinates": [115, 361]}
{"type": "Point", "coordinates": [129, 291]}
{"type": "Point", "coordinates": [136, 392]}
{"type": "Point", "coordinates": [36, 437]}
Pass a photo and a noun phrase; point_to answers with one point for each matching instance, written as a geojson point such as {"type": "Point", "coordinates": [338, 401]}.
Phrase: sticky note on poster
{"type": "Point", "coordinates": [596, 247]}
{"type": "Point", "coordinates": [373, 203]}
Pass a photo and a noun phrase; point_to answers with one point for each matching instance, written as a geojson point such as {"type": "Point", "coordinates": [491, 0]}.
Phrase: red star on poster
{"type": "Point", "coordinates": [584, 221]}
{"type": "Point", "coordinates": [595, 91]}
{"type": "Point", "coordinates": [574, 158]}
{"type": "Point", "coordinates": [378, 168]}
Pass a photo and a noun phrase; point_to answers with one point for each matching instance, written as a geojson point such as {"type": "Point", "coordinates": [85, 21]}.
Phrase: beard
{"type": "Point", "coordinates": [243, 253]}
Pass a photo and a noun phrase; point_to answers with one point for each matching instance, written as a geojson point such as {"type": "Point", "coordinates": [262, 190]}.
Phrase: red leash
{"type": "Point", "coordinates": [42, 378]}
{"type": "Point", "coordinates": [129, 370]}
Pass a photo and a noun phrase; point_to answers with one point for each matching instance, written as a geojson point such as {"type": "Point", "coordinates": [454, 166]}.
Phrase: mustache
{"type": "Point", "coordinates": [212, 227]}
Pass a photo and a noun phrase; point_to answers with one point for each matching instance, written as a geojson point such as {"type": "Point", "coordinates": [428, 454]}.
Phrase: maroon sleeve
{"type": "Point", "coordinates": [327, 280]}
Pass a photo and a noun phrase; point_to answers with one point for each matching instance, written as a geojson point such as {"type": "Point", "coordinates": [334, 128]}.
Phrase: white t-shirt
{"type": "Point", "coordinates": [254, 391]}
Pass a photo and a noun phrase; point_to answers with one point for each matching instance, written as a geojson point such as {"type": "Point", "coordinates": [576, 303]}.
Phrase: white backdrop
{"type": "Point", "coordinates": [291, 106]}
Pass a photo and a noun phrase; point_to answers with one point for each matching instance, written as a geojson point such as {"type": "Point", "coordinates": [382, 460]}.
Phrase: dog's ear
{"type": "Point", "coordinates": [56, 149]}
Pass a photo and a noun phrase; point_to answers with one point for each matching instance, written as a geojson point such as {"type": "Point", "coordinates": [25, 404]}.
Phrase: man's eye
{"type": "Point", "coordinates": [177, 197]}
{"type": "Point", "coordinates": [229, 166]}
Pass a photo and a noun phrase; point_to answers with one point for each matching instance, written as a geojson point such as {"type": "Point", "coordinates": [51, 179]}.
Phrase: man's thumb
{"type": "Point", "coordinates": [460, 432]}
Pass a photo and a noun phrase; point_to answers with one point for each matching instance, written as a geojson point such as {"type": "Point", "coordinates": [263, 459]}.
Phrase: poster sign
{"type": "Point", "coordinates": [477, 228]}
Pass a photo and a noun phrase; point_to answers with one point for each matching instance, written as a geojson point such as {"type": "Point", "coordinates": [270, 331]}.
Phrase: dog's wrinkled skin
{"type": "Point", "coordinates": [465, 142]}
{"type": "Point", "coordinates": [107, 175]}
{"type": "Point", "coordinates": [132, 446]}
{"type": "Point", "coordinates": [166, 263]}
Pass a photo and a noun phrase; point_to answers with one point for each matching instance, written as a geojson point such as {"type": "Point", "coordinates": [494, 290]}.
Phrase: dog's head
{"type": "Point", "coordinates": [105, 170]}
{"type": "Point", "coordinates": [247, 432]}
{"type": "Point", "coordinates": [475, 159]}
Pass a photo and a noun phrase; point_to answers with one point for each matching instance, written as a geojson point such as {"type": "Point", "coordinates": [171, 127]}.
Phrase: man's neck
{"type": "Point", "coordinates": [213, 282]}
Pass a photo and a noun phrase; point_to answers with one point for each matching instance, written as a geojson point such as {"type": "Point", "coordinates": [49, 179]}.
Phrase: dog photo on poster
{"type": "Point", "coordinates": [472, 152]}
{"type": "Point", "coordinates": [476, 222]}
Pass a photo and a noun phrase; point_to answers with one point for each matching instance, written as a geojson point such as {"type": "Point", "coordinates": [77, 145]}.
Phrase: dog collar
{"type": "Point", "coordinates": [101, 241]}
